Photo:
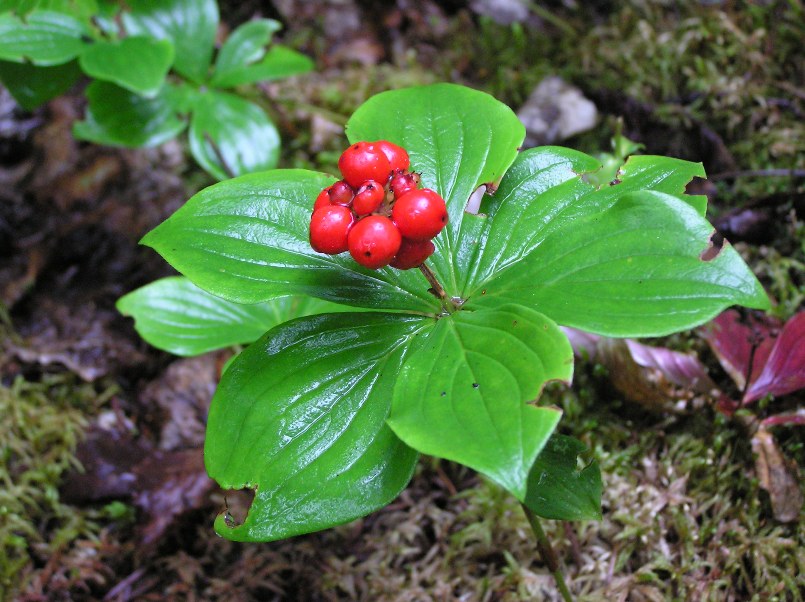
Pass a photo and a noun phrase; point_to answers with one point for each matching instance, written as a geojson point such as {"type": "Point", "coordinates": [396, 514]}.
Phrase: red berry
{"type": "Point", "coordinates": [402, 183]}
{"type": "Point", "coordinates": [363, 161]}
{"type": "Point", "coordinates": [374, 241]}
{"type": "Point", "coordinates": [420, 214]}
{"type": "Point", "coordinates": [397, 155]}
{"type": "Point", "coordinates": [368, 198]}
{"type": "Point", "coordinates": [412, 254]}
{"type": "Point", "coordinates": [329, 229]}
{"type": "Point", "coordinates": [341, 193]}
{"type": "Point", "coordinates": [323, 200]}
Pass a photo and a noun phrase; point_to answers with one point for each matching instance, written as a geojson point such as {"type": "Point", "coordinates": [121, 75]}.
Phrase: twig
{"type": "Point", "coordinates": [548, 554]}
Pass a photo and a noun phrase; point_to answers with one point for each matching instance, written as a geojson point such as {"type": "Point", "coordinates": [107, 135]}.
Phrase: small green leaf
{"type": "Point", "coordinates": [189, 24]}
{"type": "Point", "coordinates": [32, 86]}
{"type": "Point", "coordinates": [464, 395]}
{"type": "Point", "coordinates": [245, 46]}
{"type": "Point", "coordinates": [558, 489]}
{"type": "Point", "coordinates": [634, 268]}
{"type": "Point", "coordinates": [44, 38]}
{"type": "Point", "coordinates": [300, 417]}
{"type": "Point", "coordinates": [278, 62]}
{"type": "Point", "coordinates": [137, 63]}
{"type": "Point", "coordinates": [457, 138]}
{"type": "Point", "coordinates": [118, 117]}
{"type": "Point", "coordinates": [246, 240]}
{"type": "Point", "coordinates": [230, 136]}
{"type": "Point", "coordinates": [175, 315]}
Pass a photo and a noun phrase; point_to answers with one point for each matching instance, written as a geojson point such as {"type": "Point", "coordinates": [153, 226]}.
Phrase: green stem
{"type": "Point", "coordinates": [548, 554]}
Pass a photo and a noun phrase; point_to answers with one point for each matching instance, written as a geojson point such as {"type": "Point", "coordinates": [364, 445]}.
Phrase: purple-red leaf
{"type": "Point", "coordinates": [784, 370]}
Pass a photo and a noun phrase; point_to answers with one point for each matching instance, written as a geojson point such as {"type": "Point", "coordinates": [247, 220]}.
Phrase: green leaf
{"type": "Point", "coordinates": [278, 62]}
{"type": "Point", "coordinates": [463, 396]}
{"type": "Point", "coordinates": [189, 24]}
{"type": "Point", "coordinates": [634, 268]}
{"type": "Point", "coordinates": [119, 118]}
{"type": "Point", "coordinates": [32, 86]}
{"type": "Point", "coordinates": [457, 139]}
{"type": "Point", "coordinates": [44, 38]}
{"type": "Point", "coordinates": [300, 417]}
{"type": "Point", "coordinates": [246, 45]}
{"type": "Point", "coordinates": [246, 240]}
{"type": "Point", "coordinates": [245, 139]}
{"type": "Point", "coordinates": [138, 63]}
{"type": "Point", "coordinates": [175, 315]}
{"type": "Point", "coordinates": [518, 209]}
{"type": "Point", "coordinates": [558, 489]}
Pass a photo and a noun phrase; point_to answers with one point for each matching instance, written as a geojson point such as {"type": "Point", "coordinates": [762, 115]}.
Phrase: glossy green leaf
{"type": "Point", "coordinates": [32, 86]}
{"type": "Point", "coordinates": [118, 117]}
{"type": "Point", "coordinates": [634, 268]}
{"type": "Point", "coordinates": [189, 24]}
{"type": "Point", "coordinates": [464, 395]}
{"type": "Point", "coordinates": [278, 62]}
{"type": "Point", "coordinates": [83, 10]}
{"type": "Point", "coordinates": [44, 38]}
{"type": "Point", "coordinates": [230, 136]}
{"type": "Point", "coordinates": [558, 488]}
{"type": "Point", "coordinates": [458, 139]}
{"type": "Point", "coordinates": [136, 63]}
{"type": "Point", "coordinates": [175, 315]}
{"type": "Point", "coordinates": [244, 46]}
{"type": "Point", "coordinates": [300, 417]}
{"type": "Point", "coordinates": [246, 240]}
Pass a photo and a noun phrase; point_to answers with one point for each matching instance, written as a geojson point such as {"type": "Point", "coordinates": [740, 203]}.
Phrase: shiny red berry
{"type": "Point", "coordinates": [420, 214]}
{"type": "Point", "coordinates": [402, 183]}
{"type": "Point", "coordinates": [412, 254]}
{"type": "Point", "coordinates": [368, 198]}
{"type": "Point", "coordinates": [364, 161]}
{"type": "Point", "coordinates": [397, 155]}
{"type": "Point", "coordinates": [374, 241]}
{"type": "Point", "coordinates": [341, 193]}
{"type": "Point", "coordinates": [323, 200]}
{"type": "Point", "coordinates": [329, 229]}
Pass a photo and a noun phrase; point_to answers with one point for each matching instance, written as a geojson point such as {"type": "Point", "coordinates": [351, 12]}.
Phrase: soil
{"type": "Point", "coordinates": [106, 496]}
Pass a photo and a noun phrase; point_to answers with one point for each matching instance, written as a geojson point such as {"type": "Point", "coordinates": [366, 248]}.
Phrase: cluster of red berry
{"type": "Point", "coordinates": [377, 212]}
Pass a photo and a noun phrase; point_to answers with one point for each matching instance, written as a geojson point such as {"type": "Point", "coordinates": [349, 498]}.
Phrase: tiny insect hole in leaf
{"type": "Point", "coordinates": [714, 246]}
{"type": "Point", "coordinates": [237, 503]}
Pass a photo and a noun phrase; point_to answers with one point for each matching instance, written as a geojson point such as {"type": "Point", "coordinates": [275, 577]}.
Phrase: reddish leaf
{"type": "Point", "coordinates": [795, 419]}
{"type": "Point", "coordinates": [784, 370]}
{"type": "Point", "coordinates": [732, 339]}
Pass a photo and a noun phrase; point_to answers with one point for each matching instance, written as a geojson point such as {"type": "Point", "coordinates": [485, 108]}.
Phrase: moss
{"type": "Point", "coordinates": [41, 425]}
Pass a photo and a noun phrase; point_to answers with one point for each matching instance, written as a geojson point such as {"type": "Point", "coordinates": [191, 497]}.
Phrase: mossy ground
{"type": "Point", "coordinates": [684, 516]}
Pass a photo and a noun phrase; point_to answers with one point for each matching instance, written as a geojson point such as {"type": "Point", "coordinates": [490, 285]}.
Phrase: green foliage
{"type": "Point", "coordinates": [175, 315]}
{"type": "Point", "coordinates": [135, 100]}
{"type": "Point", "coordinates": [303, 415]}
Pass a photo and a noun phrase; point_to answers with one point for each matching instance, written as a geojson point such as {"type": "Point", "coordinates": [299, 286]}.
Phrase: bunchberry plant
{"type": "Point", "coordinates": [153, 74]}
{"type": "Point", "coordinates": [324, 416]}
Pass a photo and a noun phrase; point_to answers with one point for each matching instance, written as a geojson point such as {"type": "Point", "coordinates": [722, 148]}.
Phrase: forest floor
{"type": "Point", "coordinates": [103, 491]}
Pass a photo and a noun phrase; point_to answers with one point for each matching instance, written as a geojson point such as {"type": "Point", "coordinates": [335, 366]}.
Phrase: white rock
{"type": "Point", "coordinates": [556, 111]}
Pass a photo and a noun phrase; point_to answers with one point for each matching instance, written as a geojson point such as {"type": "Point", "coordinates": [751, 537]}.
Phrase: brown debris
{"type": "Point", "coordinates": [779, 476]}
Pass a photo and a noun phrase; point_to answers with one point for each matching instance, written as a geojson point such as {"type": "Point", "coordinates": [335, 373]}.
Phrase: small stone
{"type": "Point", "coordinates": [556, 111]}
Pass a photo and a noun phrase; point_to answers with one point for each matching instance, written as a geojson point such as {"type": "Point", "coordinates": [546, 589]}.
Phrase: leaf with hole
{"type": "Point", "coordinates": [300, 416]}
{"type": "Point", "coordinates": [465, 394]}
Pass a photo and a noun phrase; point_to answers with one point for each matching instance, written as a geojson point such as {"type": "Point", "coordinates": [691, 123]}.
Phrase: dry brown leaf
{"type": "Point", "coordinates": [778, 475]}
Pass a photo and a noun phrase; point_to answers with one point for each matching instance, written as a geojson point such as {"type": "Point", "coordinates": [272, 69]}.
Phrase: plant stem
{"type": "Point", "coordinates": [548, 554]}
{"type": "Point", "coordinates": [435, 287]}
